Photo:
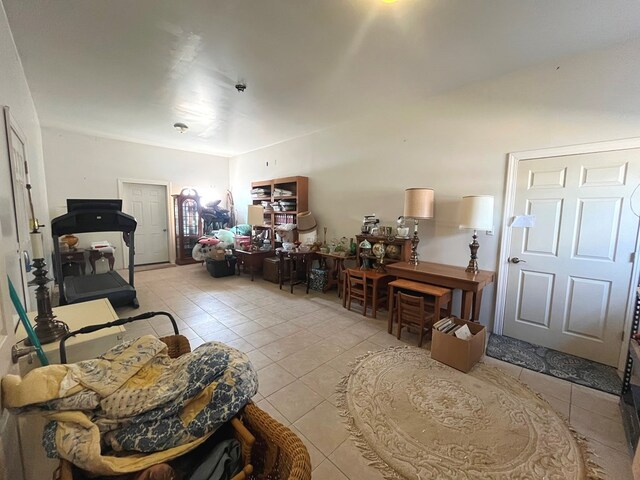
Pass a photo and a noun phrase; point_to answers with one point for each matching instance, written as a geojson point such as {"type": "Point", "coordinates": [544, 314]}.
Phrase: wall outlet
{"type": "Point", "coordinates": [489, 232]}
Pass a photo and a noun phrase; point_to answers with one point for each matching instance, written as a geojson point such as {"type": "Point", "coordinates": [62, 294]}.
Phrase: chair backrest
{"type": "Point", "coordinates": [356, 284]}
{"type": "Point", "coordinates": [410, 307]}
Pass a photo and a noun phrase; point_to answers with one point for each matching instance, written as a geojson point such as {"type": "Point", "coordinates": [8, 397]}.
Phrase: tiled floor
{"type": "Point", "coordinates": [302, 345]}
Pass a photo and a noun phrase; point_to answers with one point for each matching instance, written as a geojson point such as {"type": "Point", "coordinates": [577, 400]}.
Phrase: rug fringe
{"type": "Point", "coordinates": [373, 459]}
{"type": "Point", "coordinates": [593, 470]}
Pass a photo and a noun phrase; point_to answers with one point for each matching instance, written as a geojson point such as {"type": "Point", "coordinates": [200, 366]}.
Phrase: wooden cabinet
{"type": "Point", "coordinates": [188, 224]}
{"type": "Point", "coordinates": [397, 249]}
{"type": "Point", "coordinates": [282, 199]}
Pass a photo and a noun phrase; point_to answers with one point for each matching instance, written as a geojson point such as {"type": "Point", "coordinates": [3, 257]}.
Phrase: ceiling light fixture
{"type": "Point", "coordinates": [181, 127]}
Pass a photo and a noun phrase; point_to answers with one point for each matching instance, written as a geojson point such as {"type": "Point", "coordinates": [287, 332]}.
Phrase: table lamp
{"type": "Point", "coordinates": [255, 216]}
{"type": "Point", "coordinates": [476, 214]}
{"type": "Point", "coordinates": [418, 205]}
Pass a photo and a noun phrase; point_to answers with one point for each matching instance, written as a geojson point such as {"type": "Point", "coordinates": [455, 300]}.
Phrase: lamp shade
{"type": "Point", "coordinates": [477, 212]}
{"type": "Point", "coordinates": [418, 202]}
{"type": "Point", "coordinates": [306, 222]}
{"type": "Point", "coordinates": [255, 215]}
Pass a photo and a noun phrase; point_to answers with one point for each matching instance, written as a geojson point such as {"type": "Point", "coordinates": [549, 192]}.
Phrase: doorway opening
{"type": "Point", "coordinates": [148, 202]}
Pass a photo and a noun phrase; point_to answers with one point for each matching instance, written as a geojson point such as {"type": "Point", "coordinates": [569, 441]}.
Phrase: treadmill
{"type": "Point", "coordinates": [87, 216]}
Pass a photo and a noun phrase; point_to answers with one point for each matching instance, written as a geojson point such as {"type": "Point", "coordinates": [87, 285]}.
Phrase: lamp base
{"type": "Point", "coordinates": [413, 260]}
{"type": "Point", "coordinates": [473, 262]}
{"type": "Point", "coordinates": [47, 329]}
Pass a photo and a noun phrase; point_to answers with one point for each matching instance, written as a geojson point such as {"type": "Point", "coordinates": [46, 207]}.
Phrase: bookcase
{"type": "Point", "coordinates": [188, 225]}
{"type": "Point", "coordinates": [282, 199]}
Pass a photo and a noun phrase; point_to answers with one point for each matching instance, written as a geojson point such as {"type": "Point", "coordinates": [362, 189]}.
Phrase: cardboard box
{"type": "Point", "coordinates": [459, 354]}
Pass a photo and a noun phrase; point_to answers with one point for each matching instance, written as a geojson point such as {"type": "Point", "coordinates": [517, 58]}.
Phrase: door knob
{"type": "Point", "coordinates": [517, 260]}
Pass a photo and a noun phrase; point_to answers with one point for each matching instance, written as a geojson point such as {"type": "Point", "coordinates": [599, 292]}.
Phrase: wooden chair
{"type": "Point", "coordinates": [437, 298]}
{"type": "Point", "coordinates": [411, 312]}
{"type": "Point", "coordinates": [356, 289]}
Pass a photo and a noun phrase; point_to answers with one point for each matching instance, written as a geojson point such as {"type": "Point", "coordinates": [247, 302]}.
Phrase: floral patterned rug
{"type": "Point", "coordinates": [417, 419]}
{"type": "Point", "coordinates": [557, 364]}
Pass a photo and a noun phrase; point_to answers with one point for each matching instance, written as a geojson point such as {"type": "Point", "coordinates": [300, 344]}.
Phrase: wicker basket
{"type": "Point", "coordinates": [270, 451]}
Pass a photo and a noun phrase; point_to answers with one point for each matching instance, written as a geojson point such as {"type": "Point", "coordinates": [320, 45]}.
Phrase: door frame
{"type": "Point", "coordinates": [505, 240]}
{"type": "Point", "coordinates": [11, 125]}
{"type": "Point", "coordinates": [170, 236]}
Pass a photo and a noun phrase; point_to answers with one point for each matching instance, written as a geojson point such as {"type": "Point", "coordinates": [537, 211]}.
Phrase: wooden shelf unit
{"type": "Point", "coordinates": [404, 245]}
{"type": "Point", "coordinates": [299, 186]}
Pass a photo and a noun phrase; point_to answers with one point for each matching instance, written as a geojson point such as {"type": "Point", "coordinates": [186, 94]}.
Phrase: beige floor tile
{"type": "Point", "coordinates": [328, 471]}
{"type": "Point", "coordinates": [272, 378]}
{"type": "Point", "coordinates": [323, 380]}
{"type": "Point", "coordinates": [599, 428]}
{"type": "Point", "coordinates": [268, 320]}
{"type": "Point", "coordinates": [259, 359]}
{"type": "Point", "coordinates": [324, 427]}
{"type": "Point", "coordinates": [514, 370]}
{"type": "Point", "coordinates": [616, 464]}
{"type": "Point", "coordinates": [262, 338]}
{"type": "Point", "coordinates": [286, 346]}
{"type": "Point", "coordinates": [344, 339]}
{"type": "Point", "coordinates": [247, 328]}
{"type": "Point", "coordinates": [343, 363]}
{"type": "Point", "coordinates": [563, 408]}
{"type": "Point", "coordinates": [273, 411]}
{"type": "Point", "coordinates": [294, 400]}
{"type": "Point", "coordinates": [546, 385]}
{"type": "Point", "coordinates": [308, 359]}
{"type": "Point", "coordinates": [241, 344]}
{"type": "Point", "coordinates": [316, 455]}
{"type": "Point", "coordinates": [352, 463]}
{"type": "Point", "coordinates": [385, 339]}
{"type": "Point", "coordinates": [595, 401]}
{"type": "Point", "coordinates": [206, 328]}
{"type": "Point", "coordinates": [223, 336]}
{"type": "Point", "coordinates": [285, 329]}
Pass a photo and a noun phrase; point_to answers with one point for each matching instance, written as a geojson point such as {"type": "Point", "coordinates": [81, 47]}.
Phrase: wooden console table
{"type": "Point", "coordinates": [448, 276]}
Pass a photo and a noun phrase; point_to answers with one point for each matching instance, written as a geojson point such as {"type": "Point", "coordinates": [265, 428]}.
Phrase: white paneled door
{"type": "Point", "coordinates": [569, 275]}
{"type": "Point", "coordinates": [148, 204]}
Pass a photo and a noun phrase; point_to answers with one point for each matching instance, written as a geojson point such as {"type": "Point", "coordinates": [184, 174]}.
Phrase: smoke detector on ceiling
{"type": "Point", "coordinates": [181, 127]}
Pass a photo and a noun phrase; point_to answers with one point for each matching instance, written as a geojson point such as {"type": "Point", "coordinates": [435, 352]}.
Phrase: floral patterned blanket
{"type": "Point", "coordinates": [135, 402]}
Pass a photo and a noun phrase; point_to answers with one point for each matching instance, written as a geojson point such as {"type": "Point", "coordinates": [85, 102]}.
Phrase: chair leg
{"type": "Point", "coordinates": [399, 322]}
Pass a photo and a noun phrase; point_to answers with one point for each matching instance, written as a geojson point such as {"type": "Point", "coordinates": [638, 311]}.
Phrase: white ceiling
{"type": "Point", "coordinates": [130, 69]}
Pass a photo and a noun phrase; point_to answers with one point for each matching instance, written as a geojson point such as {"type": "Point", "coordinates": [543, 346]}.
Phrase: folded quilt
{"type": "Point", "coordinates": [134, 398]}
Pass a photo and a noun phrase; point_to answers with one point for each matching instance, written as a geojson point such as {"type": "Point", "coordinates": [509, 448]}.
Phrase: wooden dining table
{"type": "Point", "coordinates": [449, 276]}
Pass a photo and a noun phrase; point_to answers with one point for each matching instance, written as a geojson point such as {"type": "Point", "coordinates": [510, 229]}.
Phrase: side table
{"type": "Point", "coordinates": [337, 269]}
{"type": "Point", "coordinates": [72, 259]}
{"type": "Point", "coordinates": [298, 261]}
{"type": "Point", "coordinates": [95, 255]}
{"type": "Point", "coordinates": [252, 260]}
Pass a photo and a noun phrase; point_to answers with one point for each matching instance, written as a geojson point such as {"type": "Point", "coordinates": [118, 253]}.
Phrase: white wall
{"type": "Point", "coordinates": [14, 92]}
{"type": "Point", "coordinates": [83, 166]}
{"type": "Point", "coordinates": [455, 143]}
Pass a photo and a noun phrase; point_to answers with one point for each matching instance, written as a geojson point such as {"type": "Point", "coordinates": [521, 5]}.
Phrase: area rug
{"type": "Point", "coordinates": [417, 419]}
{"type": "Point", "coordinates": [557, 364]}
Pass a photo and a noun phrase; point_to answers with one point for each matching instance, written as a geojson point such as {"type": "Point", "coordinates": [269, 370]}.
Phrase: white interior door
{"type": "Point", "coordinates": [570, 290]}
{"type": "Point", "coordinates": [148, 204]}
{"type": "Point", "coordinates": [17, 169]}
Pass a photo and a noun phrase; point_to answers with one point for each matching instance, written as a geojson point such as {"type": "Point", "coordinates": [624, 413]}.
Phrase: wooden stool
{"type": "Point", "coordinates": [442, 297]}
